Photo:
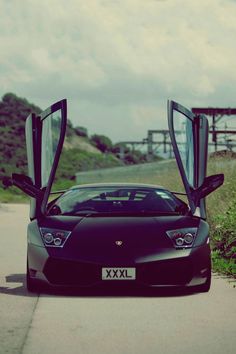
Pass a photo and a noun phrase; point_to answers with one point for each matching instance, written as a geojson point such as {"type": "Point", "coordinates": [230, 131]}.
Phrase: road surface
{"type": "Point", "coordinates": [105, 322]}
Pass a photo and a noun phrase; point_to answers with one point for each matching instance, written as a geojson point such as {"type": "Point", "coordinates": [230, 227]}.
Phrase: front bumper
{"type": "Point", "coordinates": [188, 267]}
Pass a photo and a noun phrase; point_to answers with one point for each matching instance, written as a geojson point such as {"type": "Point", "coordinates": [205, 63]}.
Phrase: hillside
{"type": "Point", "coordinates": [79, 153]}
{"type": "Point", "coordinates": [13, 112]}
{"type": "Point", "coordinates": [79, 142]}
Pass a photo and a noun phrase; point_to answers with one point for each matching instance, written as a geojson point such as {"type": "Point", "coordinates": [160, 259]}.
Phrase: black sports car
{"type": "Point", "coordinates": [109, 233]}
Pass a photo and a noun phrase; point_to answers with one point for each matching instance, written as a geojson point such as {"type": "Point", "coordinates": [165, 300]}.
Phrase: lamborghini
{"type": "Point", "coordinates": [123, 233]}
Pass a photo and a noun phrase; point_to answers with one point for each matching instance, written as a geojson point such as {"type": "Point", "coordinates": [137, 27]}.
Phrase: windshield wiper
{"type": "Point", "coordinates": [80, 213]}
{"type": "Point", "coordinates": [121, 213]}
{"type": "Point", "coordinates": [131, 213]}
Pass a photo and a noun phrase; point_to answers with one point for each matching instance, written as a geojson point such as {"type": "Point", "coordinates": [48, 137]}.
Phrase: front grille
{"type": "Point", "coordinates": [169, 272]}
{"type": "Point", "coordinates": [72, 273]}
{"type": "Point", "coordinates": [64, 272]}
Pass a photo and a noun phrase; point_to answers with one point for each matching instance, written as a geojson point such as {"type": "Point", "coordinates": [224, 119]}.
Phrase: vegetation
{"type": "Point", "coordinates": [81, 131]}
{"type": "Point", "coordinates": [223, 230]}
{"type": "Point", "coordinates": [221, 208]}
{"type": "Point", "coordinates": [13, 113]}
{"type": "Point", "coordinates": [12, 195]}
{"type": "Point", "coordinates": [102, 142]}
{"type": "Point", "coordinates": [75, 160]}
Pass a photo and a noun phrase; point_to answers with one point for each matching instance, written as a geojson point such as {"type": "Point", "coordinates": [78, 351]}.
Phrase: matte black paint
{"type": "Point", "coordinates": [92, 245]}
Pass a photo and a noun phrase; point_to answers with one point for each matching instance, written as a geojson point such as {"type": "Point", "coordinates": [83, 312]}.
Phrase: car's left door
{"type": "Point", "coordinates": [52, 134]}
{"type": "Point", "coordinates": [45, 135]}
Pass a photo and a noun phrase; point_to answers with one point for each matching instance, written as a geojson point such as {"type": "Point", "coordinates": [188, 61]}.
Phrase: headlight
{"type": "Point", "coordinates": [54, 238]}
{"type": "Point", "coordinates": [183, 238]}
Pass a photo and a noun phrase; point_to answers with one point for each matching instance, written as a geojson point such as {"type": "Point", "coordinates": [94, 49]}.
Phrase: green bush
{"type": "Point", "coordinates": [223, 265]}
{"type": "Point", "coordinates": [81, 131]}
{"type": "Point", "coordinates": [13, 113]}
{"type": "Point", "coordinates": [223, 230]}
{"type": "Point", "coordinates": [102, 142]}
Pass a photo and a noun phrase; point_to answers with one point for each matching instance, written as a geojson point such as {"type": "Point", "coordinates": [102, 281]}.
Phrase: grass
{"type": "Point", "coordinates": [223, 265]}
{"type": "Point", "coordinates": [221, 205]}
{"type": "Point", "coordinates": [12, 195]}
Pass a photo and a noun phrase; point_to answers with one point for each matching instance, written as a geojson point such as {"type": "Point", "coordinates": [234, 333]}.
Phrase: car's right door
{"type": "Point", "coordinates": [189, 138]}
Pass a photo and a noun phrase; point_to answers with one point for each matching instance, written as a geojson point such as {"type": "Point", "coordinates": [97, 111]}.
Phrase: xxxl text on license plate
{"type": "Point", "coordinates": [118, 273]}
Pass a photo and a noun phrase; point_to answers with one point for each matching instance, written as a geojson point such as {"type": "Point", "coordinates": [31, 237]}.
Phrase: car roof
{"type": "Point", "coordinates": [117, 185]}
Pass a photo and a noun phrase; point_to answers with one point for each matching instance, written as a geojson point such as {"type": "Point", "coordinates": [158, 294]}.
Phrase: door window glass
{"type": "Point", "coordinates": [183, 130]}
{"type": "Point", "coordinates": [51, 131]}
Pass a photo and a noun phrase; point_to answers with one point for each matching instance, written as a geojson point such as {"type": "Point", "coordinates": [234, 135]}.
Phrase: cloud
{"type": "Point", "coordinates": [118, 62]}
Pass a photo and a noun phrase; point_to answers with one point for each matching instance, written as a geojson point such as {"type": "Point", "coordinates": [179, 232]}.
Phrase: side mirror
{"type": "Point", "coordinates": [210, 184]}
{"type": "Point", "coordinates": [26, 185]}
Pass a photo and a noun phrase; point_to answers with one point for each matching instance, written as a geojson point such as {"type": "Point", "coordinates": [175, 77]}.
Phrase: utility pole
{"type": "Point", "coordinates": [150, 144]}
{"type": "Point", "coordinates": [214, 135]}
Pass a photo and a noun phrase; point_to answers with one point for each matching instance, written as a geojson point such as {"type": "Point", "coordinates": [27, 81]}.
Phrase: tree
{"type": "Point", "coordinates": [102, 142]}
{"type": "Point", "coordinates": [13, 113]}
{"type": "Point", "coordinates": [81, 131]}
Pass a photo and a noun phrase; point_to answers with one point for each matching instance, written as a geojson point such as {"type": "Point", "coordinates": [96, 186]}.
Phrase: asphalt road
{"type": "Point", "coordinates": [111, 322]}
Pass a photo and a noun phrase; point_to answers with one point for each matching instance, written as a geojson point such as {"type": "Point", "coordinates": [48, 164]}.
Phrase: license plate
{"type": "Point", "coordinates": [118, 273]}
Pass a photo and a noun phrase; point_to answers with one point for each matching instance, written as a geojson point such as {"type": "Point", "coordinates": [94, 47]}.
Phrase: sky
{"type": "Point", "coordinates": [118, 61]}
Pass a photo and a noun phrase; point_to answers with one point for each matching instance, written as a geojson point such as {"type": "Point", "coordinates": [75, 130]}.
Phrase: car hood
{"type": "Point", "coordinates": [121, 240]}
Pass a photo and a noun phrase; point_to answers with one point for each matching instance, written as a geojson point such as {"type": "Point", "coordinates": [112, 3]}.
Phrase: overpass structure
{"type": "Point", "coordinates": [216, 114]}
{"type": "Point", "coordinates": [223, 138]}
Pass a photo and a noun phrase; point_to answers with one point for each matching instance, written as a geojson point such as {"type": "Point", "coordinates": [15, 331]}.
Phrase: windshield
{"type": "Point", "coordinates": [116, 200]}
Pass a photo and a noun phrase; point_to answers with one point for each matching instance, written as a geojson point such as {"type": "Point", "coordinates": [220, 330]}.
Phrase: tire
{"type": "Point", "coordinates": [31, 284]}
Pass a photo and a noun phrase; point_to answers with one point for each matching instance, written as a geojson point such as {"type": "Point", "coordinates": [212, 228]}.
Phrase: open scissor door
{"type": "Point", "coordinates": [189, 138]}
{"type": "Point", "coordinates": [45, 135]}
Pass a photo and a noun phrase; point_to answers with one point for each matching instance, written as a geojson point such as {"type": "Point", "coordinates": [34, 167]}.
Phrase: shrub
{"type": "Point", "coordinates": [81, 131]}
{"type": "Point", "coordinates": [102, 142]}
